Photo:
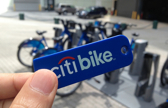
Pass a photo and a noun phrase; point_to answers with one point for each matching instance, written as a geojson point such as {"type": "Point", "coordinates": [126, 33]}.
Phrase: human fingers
{"type": "Point", "coordinates": [10, 84]}
{"type": "Point", "coordinates": [38, 91]}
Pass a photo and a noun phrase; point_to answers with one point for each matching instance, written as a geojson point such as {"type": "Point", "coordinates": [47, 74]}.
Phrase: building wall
{"type": "Point", "coordinates": [126, 7]}
{"type": "Point", "coordinates": [27, 5]}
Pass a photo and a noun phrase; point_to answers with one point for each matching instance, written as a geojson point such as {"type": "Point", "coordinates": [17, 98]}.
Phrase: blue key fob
{"type": "Point", "coordinates": [84, 62]}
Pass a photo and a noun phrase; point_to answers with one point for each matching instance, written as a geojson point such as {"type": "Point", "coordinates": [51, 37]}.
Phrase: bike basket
{"type": "Point", "coordinates": [71, 25]}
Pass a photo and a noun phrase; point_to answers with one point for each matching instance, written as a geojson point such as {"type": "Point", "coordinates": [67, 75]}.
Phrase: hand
{"type": "Point", "coordinates": [28, 90]}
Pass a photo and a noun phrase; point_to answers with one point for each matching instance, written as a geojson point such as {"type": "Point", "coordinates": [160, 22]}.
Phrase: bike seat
{"type": "Point", "coordinates": [40, 32]}
{"type": "Point", "coordinates": [58, 38]}
{"type": "Point", "coordinates": [135, 34]}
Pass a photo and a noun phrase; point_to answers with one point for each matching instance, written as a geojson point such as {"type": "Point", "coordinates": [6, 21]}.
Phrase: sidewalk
{"type": "Point", "coordinates": [14, 31]}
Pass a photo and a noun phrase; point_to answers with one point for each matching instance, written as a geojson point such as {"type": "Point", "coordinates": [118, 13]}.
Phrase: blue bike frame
{"type": "Point", "coordinates": [83, 37]}
{"type": "Point", "coordinates": [132, 43]}
{"type": "Point", "coordinates": [37, 48]}
{"type": "Point", "coordinates": [58, 46]}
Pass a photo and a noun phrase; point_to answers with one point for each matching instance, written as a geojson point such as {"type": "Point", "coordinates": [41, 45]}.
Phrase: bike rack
{"type": "Point", "coordinates": [58, 32]}
{"type": "Point", "coordinates": [114, 76]}
{"type": "Point", "coordinates": [76, 37]}
{"type": "Point", "coordinates": [146, 82]}
{"type": "Point", "coordinates": [136, 66]}
{"type": "Point", "coordinates": [96, 36]}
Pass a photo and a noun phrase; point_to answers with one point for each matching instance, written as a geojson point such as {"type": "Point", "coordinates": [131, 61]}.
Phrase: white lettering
{"type": "Point", "coordinates": [62, 70]}
{"type": "Point", "coordinates": [98, 59]}
{"type": "Point", "coordinates": [85, 63]}
{"type": "Point", "coordinates": [81, 63]}
{"type": "Point", "coordinates": [56, 68]}
{"type": "Point", "coordinates": [91, 58]}
{"type": "Point", "coordinates": [67, 65]}
{"type": "Point", "coordinates": [107, 54]}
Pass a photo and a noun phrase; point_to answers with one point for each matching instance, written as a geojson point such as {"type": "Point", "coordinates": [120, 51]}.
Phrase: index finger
{"type": "Point", "coordinates": [10, 84]}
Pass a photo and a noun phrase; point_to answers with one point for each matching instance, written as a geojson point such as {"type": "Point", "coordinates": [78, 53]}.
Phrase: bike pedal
{"type": "Point", "coordinates": [87, 61]}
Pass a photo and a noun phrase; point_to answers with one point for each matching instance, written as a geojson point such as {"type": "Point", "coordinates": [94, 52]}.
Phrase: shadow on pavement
{"type": "Point", "coordinates": [23, 70]}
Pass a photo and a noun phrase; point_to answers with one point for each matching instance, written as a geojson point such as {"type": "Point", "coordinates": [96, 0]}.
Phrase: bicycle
{"type": "Point", "coordinates": [164, 73]}
{"type": "Point", "coordinates": [32, 46]}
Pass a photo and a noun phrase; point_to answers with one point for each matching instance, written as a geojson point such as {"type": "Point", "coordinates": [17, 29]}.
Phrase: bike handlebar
{"type": "Point", "coordinates": [89, 25]}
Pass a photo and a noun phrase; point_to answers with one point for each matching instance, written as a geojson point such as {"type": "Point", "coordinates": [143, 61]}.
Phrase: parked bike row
{"type": "Point", "coordinates": [64, 39]}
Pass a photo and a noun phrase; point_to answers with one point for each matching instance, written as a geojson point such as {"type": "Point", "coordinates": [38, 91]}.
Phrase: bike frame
{"type": "Point", "coordinates": [132, 40]}
{"type": "Point", "coordinates": [35, 49]}
{"type": "Point", "coordinates": [58, 46]}
{"type": "Point", "coordinates": [83, 37]}
{"type": "Point", "coordinates": [102, 34]}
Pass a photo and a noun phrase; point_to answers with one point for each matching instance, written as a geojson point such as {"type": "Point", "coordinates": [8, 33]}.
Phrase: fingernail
{"type": "Point", "coordinates": [43, 81]}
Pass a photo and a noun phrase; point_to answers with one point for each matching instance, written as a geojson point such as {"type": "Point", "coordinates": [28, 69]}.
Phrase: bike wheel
{"type": "Point", "coordinates": [24, 56]}
{"type": "Point", "coordinates": [65, 91]}
{"type": "Point", "coordinates": [27, 50]}
{"type": "Point", "coordinates": [68, 90]}
{"type": "Point", "coordinates": [43, 53]}
{"type": "Point", "coordinates": [164, 74]}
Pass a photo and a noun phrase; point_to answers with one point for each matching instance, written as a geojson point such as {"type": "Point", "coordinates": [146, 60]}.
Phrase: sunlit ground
{"type": "Point", "coordinates": [4, 4]}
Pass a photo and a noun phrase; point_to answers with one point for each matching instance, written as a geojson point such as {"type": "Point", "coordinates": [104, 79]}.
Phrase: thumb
{"type": "Point", "coordinates": [38, 91]}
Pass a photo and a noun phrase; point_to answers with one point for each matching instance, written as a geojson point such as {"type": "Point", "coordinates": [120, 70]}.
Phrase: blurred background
{"type": "Point", "coordinates": [35, 28]}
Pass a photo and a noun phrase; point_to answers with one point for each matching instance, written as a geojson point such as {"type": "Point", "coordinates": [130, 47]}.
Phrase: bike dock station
{"type": "Point", "coordinates": [137, 85]}
{"type": "Point", "coordinates": [143, 88]}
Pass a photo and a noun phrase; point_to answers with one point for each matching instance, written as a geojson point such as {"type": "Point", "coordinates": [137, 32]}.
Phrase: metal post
{"type": "Point", "coordinates": [145, 87]}
{"type": "Point", "coordinates": [150, 89]}
{"type": "Point", "coordinates": [136, 66]}
{"type": "Point", "coordinates": [113, 76]}
{"type": "Point", "coordinates": [144, 76]}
